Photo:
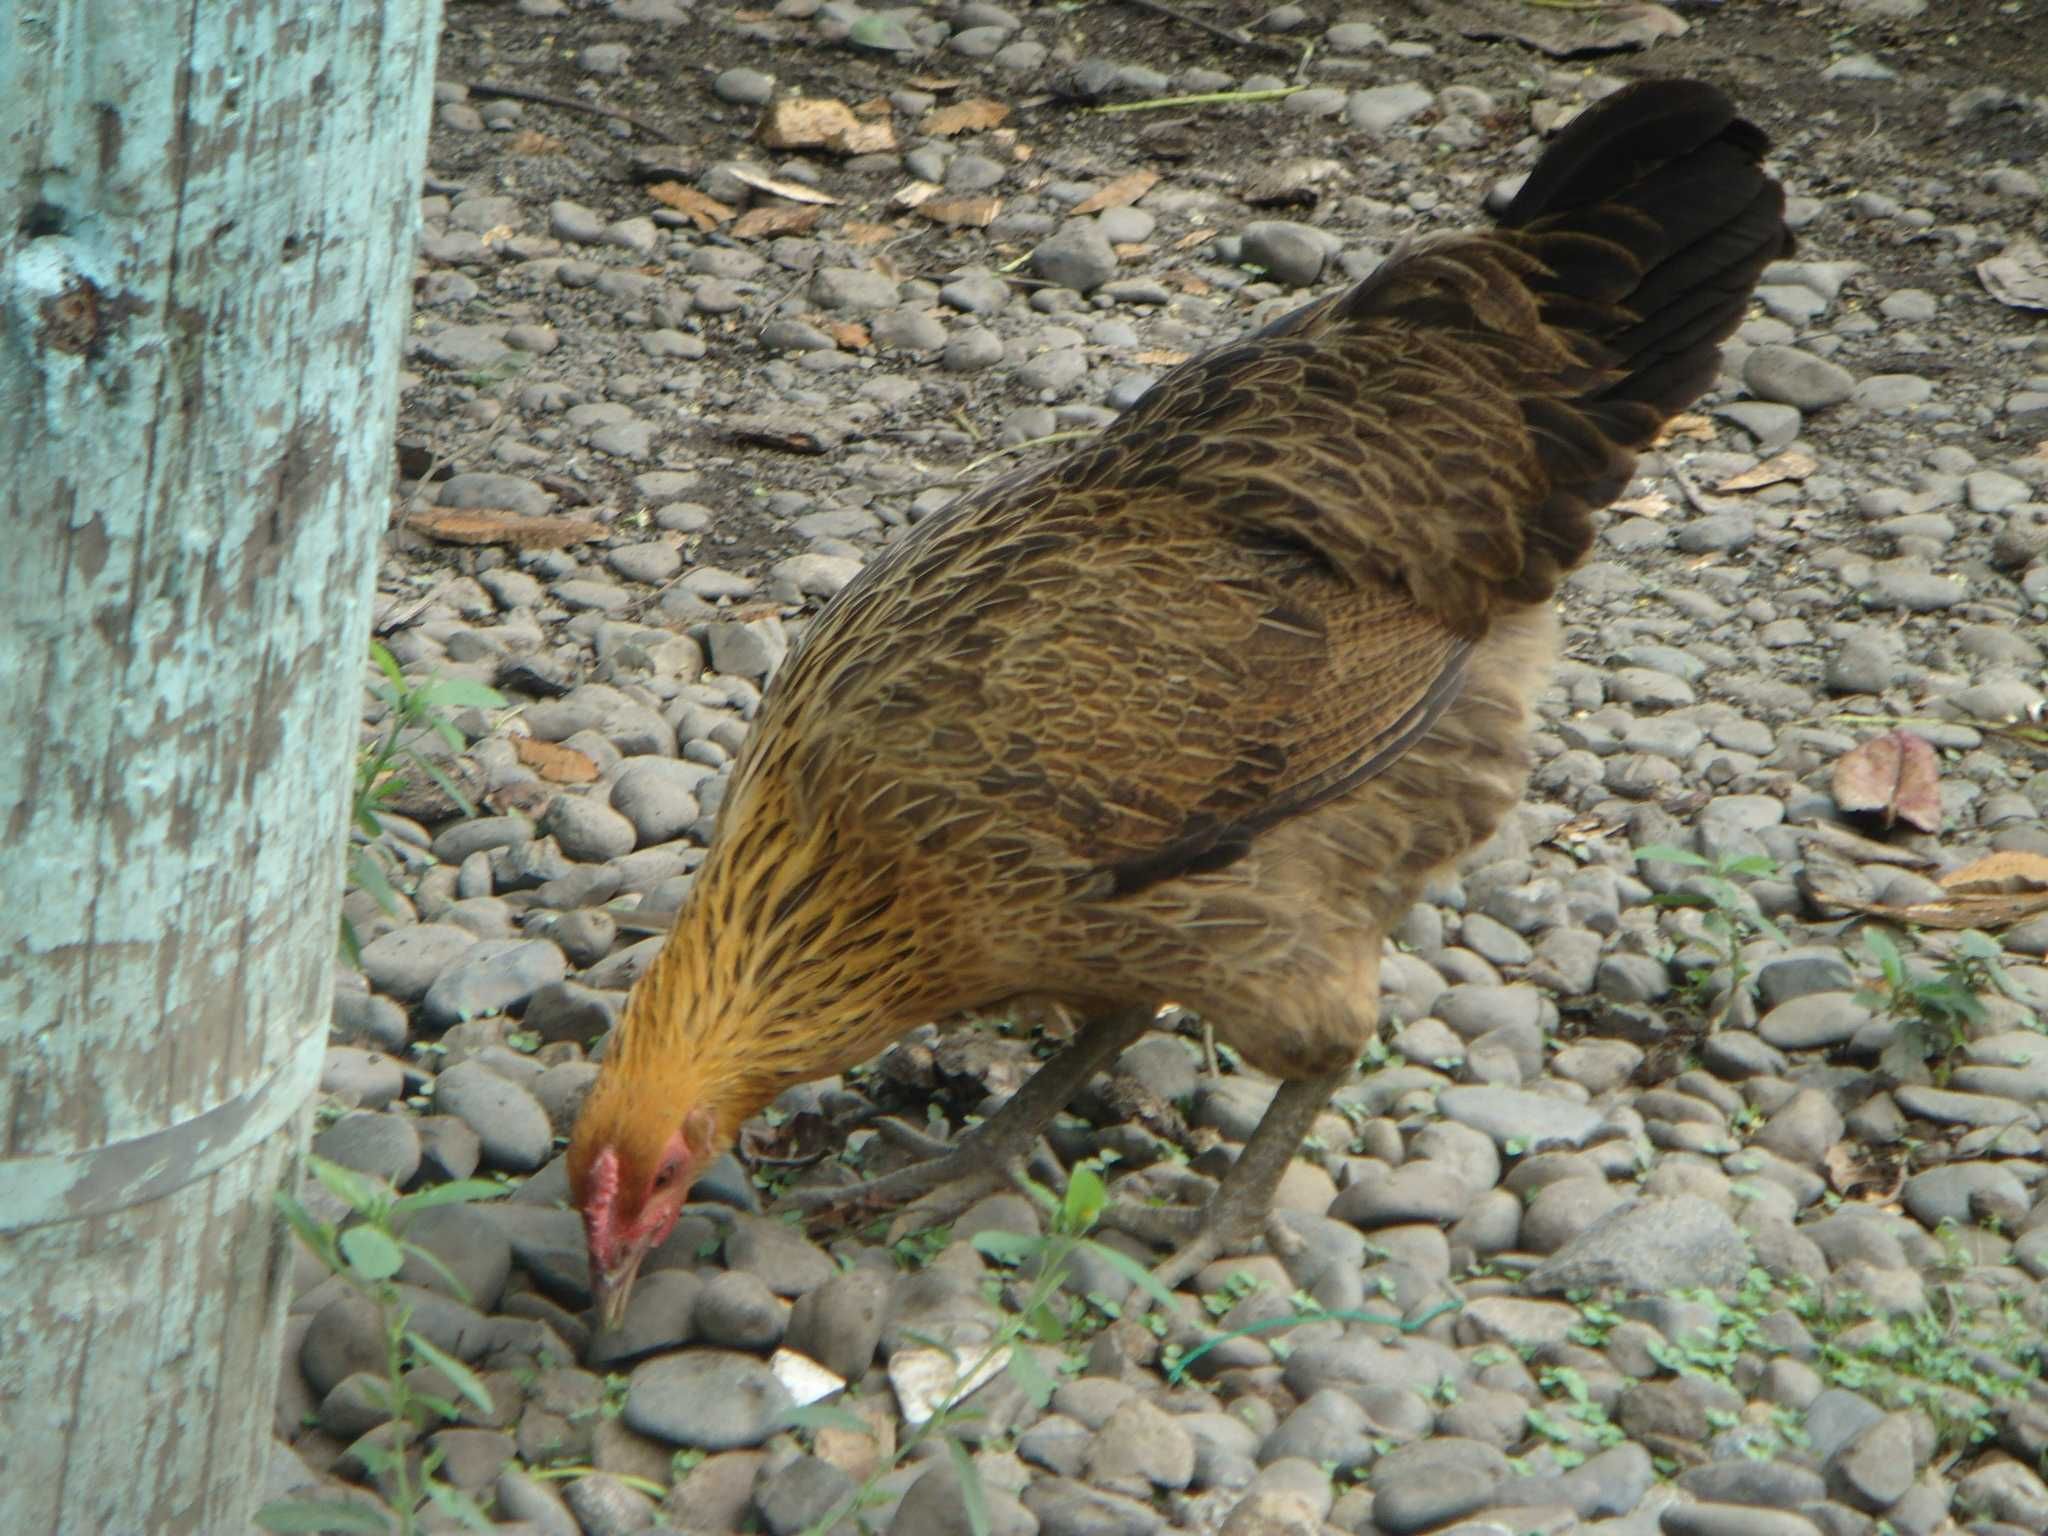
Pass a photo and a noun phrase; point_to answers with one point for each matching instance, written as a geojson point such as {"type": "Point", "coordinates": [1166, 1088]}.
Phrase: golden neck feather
{"type": "Point", "coordinates": [780, 969]}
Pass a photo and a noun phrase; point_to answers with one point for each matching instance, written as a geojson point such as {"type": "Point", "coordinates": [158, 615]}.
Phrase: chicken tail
{"type": "Point", "coordinates": [1653, 220]}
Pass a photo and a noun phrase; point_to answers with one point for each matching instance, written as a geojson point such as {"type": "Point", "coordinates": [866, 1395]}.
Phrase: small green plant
{"type": "Point", "coordinates": [368, 1256]}
{"type": "Point", "coordinates": [1956, 1362]}
{"type": "Point", "coordinates": [1935, 1013]}
{"type": "Point", "coordinates": [383, 768]}
{"type": "Point", "coordinates": [1731, 920]}
{"type": "Point", "coordinates": [1046, 1313]}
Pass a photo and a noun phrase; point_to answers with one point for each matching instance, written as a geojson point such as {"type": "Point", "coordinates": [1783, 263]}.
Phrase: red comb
{"type": "Point", "coordinates": [600, 1208]}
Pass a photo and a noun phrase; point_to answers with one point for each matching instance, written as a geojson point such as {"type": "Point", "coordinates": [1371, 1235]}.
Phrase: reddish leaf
{"type": "Point", "coordinates": [480, 525]}
{"type": "Point", "coordinates": [1894, 776]}
{"type": "Point", "coordinates": [556, 763]}
{"type": "Point", "coordinates": [1124, 190]}
{"type": "Point", "coordinates": [972, 116]}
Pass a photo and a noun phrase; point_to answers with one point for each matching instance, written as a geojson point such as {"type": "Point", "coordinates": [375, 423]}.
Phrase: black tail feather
{"type": "Point", "coordinates": [1666, 179]}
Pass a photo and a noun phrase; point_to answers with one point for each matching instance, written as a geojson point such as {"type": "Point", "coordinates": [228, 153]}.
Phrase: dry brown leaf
{"type": "Point", "coordinates": [865, 139]}
{"type": "Point", "coordinates": [860, 232]}
{"type": "Point", "coordinates": [819, 122]}
{"type": "Point", "coordinates": [1792, 464]}
{"type": "Point", "coordinates": [874, 106]}
{"type": "Point", "coordinates": [1686, 424]}
{"type": "Point", "coordinates": [1161, 357]}
{"type": "Point", "coordinates": [2010, 873]}
{"type": "Point", "coordinates": [531, 141]}
{"type": "Point", "coordinates": [915, 194]}
{"type": "Point", "coordinates": [1895, 776]}
{"type": "Point", "coordinates": [795, 191]}
{"type": "Point", "coordinates": [768, 222]}
{"type": "Point", "coordinates": [850, 334]}
{"type": "Point", "coordinates": [805, 122]}
{"type": "Point", "coordinates": [2018, 275]}
{"type": "Point", "coordinates": [977, 114]}
{"type": "Point", "coordinates": [484, 525]}
{"type": "Point", "coordinates": [977, 212]}
{"type": "Point", "coordinates": [1197, 237]}
{"type": "Point", "coordinates": [554, 762]}
{"type": "Point", "coordinates": [705, 212]}
{"type": "Point", "coordinates": [1959, 911]}
{"type": "Point", "coordinates": [1120, 193]}
{"type": "Point", "coordinates": [935, 83]}
{"type": "Point", "coordinates": [1656, 504]}
{"type": "Point", "coordinates": [1188, 283]}
{"type": "Point", "coordinates": [1131, 250]}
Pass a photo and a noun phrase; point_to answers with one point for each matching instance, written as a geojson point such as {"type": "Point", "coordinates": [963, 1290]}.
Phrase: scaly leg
{"type": "Point", "coordinates": [1241, 1210]}
{"type": "Point", "coordinates": [991, 1157]}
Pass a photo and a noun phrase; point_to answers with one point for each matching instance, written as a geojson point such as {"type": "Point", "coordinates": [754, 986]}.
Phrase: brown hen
{"type": "Point", "coordinates": [1197, 710]}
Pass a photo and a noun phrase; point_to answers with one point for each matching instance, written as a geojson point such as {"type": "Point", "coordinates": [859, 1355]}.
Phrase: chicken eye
{"type": "Point", "coordinates": [665, 1177]}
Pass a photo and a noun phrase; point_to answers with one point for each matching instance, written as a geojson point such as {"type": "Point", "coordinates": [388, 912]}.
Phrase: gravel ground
{"type": "Point", "coordinates": [1732, 1261]}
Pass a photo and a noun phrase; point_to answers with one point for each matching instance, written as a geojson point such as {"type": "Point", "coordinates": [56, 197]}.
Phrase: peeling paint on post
{"type": "Point", "coordinates": [206, 234]}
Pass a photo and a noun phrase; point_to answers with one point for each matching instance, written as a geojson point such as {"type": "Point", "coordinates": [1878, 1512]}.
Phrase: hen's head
{"type": "Point", "coordinates": [631, 1166]}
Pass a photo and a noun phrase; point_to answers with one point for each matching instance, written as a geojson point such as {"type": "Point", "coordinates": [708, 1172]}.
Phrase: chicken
{"type": "Point", "coordinates": [1195, 711]}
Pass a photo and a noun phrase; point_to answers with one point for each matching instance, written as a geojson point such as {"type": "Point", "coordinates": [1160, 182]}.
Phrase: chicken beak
{"type": "Point", "coordinates": [612, 1290]}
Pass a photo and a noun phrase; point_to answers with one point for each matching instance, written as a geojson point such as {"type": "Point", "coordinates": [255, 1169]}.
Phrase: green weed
{"type": "Point", "coordinates": [414, 711]}
{"type": "Point", "coordinates": [1935, 1013]}
{"type": "Point", "coordinates": [1730, 918]}
{"type": "Point", "coordinates": [368, 1256]}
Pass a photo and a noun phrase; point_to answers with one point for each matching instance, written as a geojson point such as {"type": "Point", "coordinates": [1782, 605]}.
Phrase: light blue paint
{"type": "Point", "coordinates": [206, 223]}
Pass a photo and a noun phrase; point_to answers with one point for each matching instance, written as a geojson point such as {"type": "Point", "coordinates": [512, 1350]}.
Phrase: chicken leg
{"type": "Point", "coordinates": [992, 1156]}
{"type": "Point", "coordinates": [1241, 1210]}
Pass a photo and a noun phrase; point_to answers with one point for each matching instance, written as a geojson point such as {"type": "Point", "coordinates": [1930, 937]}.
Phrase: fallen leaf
{"type": "Point", "coordinates": [913, 194]}
{"type": "Point", "coordinates": [935, 82]}
{"type": "Point", "coordinates": [850, 334]}
{"type": "Point", "coordinates": [1895, 776]}
{"type": "Point", "coordinates": [2018, 275]}
{"type": "Point", "coordinates": [2008, 873]}
{"type": "Point", "coordinates": [703, 211]}
{"type": "Point", "coordinates": [765, 223]}
{"type": "Point", "coordinates": [977, 212]}
{"type": "Point", "coordinates": [554, 762]}
{"type": "Point", "coordinates": [531, 141]}
{"type": "Point", "coordinates": [1685, 424]}
{"type": "Point", "coordinates": [1862, 850]}
{"type": "Point", "coordinates": [865, 139]}
{"type": "Point", "coordinates": [1656, 504]}
{"type": "Point", "coordinates": [1131, 250]}
{"type": "Point", "coordinates": [1792, 464]}
{"type": "Point", "coordinates": [805, 122]}
{"type": "Point", "coordinates": [803, 1378]}
{"type": "Point", "coordinates": [859, 232]}
{"type": "Point", "coordinates": [924, 1378]}
{"type": "Point", "coordinates": [1958, 911]}
{"type": "Point", "coordinates": [874, 106]}
{"type": "Point", "coordinates": [795, 191]}
{"type": "Point", "coordinates": [1120, 193]}
{"type": "Point", "coordinates": [1161, 357]}
{"type": "Point", "coordinates": [977, 114]}
{"type": "Point", "coordinates": [1189, 284]}
{"type": "Point", "coordinates": [483, 525]}
{"type": "Point", "coordinates": [820, 122]}
{"type": "Point", "coordinates": [1194, 238]}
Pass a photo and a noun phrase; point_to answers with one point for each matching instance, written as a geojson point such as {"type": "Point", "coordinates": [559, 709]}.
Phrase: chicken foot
{"type": "Point", "coordinates": [991, 1158]}
{"type": "Point", "coordinates": [1240, 1213]}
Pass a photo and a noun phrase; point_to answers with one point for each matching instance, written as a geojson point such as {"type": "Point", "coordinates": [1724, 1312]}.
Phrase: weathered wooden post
{"type": "Point", "coordinates": [206, 235]}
